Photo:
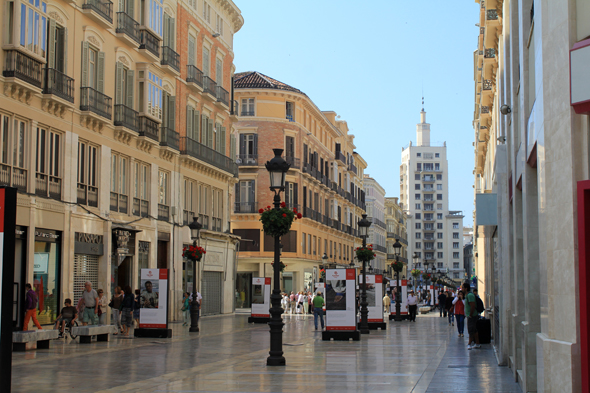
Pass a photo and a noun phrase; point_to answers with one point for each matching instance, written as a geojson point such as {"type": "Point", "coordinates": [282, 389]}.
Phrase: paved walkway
{"type": "Point", "coordinates": [229, 355]}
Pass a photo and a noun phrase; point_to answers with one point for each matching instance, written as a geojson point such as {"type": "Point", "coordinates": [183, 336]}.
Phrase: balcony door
{"type": "Point", "coordinates": [248, 147]}
{"type": "Point", "coordinates": [56, 47]}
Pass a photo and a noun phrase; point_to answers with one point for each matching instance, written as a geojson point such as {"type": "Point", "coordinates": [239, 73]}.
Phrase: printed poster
{"type": "Point", "coordinates": [153, 298]}
{"type": "Point", "coordinates": [260, 297]}
{"type": "Point", "coordinates": [374, 296]}
{"type": "Point", "coordinates": [340, 299]}
{"type": "Point", "coordinates": [404, 287]}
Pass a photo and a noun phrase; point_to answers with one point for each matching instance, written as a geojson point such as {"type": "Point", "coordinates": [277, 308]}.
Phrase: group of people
{"type": "Point", "coordinates": [458, 306]}
{"type": "Point", "coordinates": [305, 302]}
{"type": "Point", "coordinates": [186, 306]}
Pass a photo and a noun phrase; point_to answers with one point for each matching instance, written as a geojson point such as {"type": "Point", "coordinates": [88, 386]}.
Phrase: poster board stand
{"type": "Point", "coordinates": [153, 314]}
{"type": "Point", "coordinates": [340, 305]}
{"type": "Point", "coordinates": [375, 300]}
{"type": "Point", "coordinates": [403, 312]}
{"type": "Point", "coordinates": [260, 300]}
{"type": "Point", "coordinates": [7, 235]}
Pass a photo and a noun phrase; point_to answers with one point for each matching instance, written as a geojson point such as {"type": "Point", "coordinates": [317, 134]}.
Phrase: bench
{"type": "Point", "coordinates": [424, 310]}
{"type": "Point", "coordinates": [41, 337]}
{"type": "Point", "coordinates": [100, 331]}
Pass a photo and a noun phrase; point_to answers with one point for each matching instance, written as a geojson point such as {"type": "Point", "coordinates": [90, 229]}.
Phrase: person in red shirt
{"type": "Point", "coordinates": [460, 312]}
{"type": "Point", "coordinates": [31, 305]}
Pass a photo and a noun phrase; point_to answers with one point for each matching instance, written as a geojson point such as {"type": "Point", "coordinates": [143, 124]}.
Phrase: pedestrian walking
{"type": "Point", "coordinates": [318, 310]}
{"type": "Point", "coordinates": [127, 310]}
{"type": "Point", "coordinates": [460, 313]}
{"type": "Point", "coordinates": [115, 305]}
{"type": "Point", "coordinates": [292, 303]}
{"type": "Point", "coordinates": [91, 300]}
{"type": "Point", "coordinates": [412, 306]}
{"type": "Point", "coordinates": [186, 309]}
{"type": "Point", "coordinates": [472, 317]}
{"type": "Point", "coordinates": [284, 302]}
{"type": "Point", "coordinates": [309, 304]}
{"type": "Point", "coordinates": [442, 300]}
{"type": "Point", "coordinates": [136, 307]}
{"type": "Point", "coordinates": [31, 306]}
{"type": "Point", "coordinates": [386, 303]}
{"type": "Point", "coordinates": [102, 307]}
{"type": "Point", "coordinates": [305, 302]}
{"type": "Point", "coordinates": [299, 302]}
{"type": "Point", "coordinates": [450, 308]}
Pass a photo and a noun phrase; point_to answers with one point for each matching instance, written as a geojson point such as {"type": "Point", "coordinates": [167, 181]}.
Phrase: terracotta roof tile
{"type": "Point", "coordinates": [256, 80]}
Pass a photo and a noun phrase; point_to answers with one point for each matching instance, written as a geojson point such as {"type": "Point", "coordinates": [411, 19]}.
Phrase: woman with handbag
{"type": "Point", "coordinates": [127, 310]}
{"type": "Point", "coordinates": [115, 306]}
{"type": "Point", "coordinates": [186, 309]}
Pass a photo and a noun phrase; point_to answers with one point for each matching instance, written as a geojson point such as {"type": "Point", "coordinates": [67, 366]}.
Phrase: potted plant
{"type": "Point", "coordinates": [277, 222]}
{"type": "Point", "coordinates": [193, 253]}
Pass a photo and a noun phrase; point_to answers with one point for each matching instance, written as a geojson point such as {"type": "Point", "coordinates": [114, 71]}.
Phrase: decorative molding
{"type": "Point", "coordinates": [123, 136]}
{"type": "Point", "coordinates": [167, 88]}
{"type": "Point", "coordinates": [145, 144]}
{"type": "Point", "coordinates": [55, 15]}
{"type": "Point", "coordinates": [46, 205]}
{"type": "Point", "coordinates": [92, 123]}
{"type": "Point", "coordinates": [124, 60]}
{"type": "Point", "coordinates": [92, 39]}
{"type": "Point", "coordinates": [18, 92]}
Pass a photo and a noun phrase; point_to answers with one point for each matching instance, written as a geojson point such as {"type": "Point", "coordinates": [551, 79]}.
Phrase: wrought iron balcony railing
{"type": "Point", "coordinates": [149, 42]}
{"type": "Point", "coordinates": [201, 152]}
{"type": "Point", "coordinates": [222, 95]}
{"type": "Point", "coordinates": [21, 66]}
{"type": "Point", "coordinates": [169, 137]}
{"type": "Point", "coordinates": [59, 84]}
{"type": "Point", "coordinates": [148, 128]}
{"type": "Point", "coordinates": [126, 117]}
{"type": "Point", "coordinates": [94, 101]}
{"type": "Point", "coordinates": [171, 58]}
{"type": "Point", "coordinates": [209, 85]}
{"type": "Point", "coordinates": [103, 8]}
{"type": "Point", "coordinates": [294, 162]}
{"type": "Point", "coordinates": [247, 159]}
{"type": "Point", "coordinates": [246, 207]}
{"type": "Point", "coordinates": [127, 25]}
{"type": "Point", "coordinates": [194, 75]}
{"type": "Point", "coordinates": [119, 203]}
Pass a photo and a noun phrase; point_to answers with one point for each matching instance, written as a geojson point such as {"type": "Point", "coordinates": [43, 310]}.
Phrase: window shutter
{"type": "Point", "coordinates": [255, 152]}
{"type": "Point", "coordinates": [287, 201]}
{"type": "Point", "coordinates": [237, 194]}
{"type": "Point", "coordinates": [189, 121]}
{"type": "Point", "coordinates": [85, 49]}
{"type": "Point", "coordinates": [172, 113]}
{"type": "Point", "coordinates": [118, 83]}
{"type": "Point", "coordinates": [51, 47]}
{"type": "Point", "coordinates": [166, 30]}
{"type": "Point", "coordinates": [210, 134]}
{"type": "Point", "coordinates": [196, 120]}
{"type": "Point", "coordinates": [65, 52]}
{"type": "Point", "coordinates": [171, 30]}
{"type": "Point", "coordinates": [218, 137]}
{"type": "Point", "coordinates": [232, 146]}
{"type": "Point", "coordinates": [130, 88]}
{"type": "Point", "coordinates": [131, 8]}
{"type": "Point", "coordinates": [191, 50]}
{"type": "Point", "coordinates": [243, 144]}
{"type": "Point", "coordinates": [219, 72]}
{"type": "Point", "coordinates": [100, 72]}
{"type": "Point", "coordinates": [295, 194]}
{"type": "Point", "coordinates": [204, 130]}
{"type": "Point", "coordinates": [222, 149]}
{"type": "Point", "coordinates": [252, 192]}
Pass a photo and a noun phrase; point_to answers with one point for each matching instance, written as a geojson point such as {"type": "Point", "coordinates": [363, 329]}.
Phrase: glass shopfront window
{"type": "Point", "coordinates": [143, 258]}
{"type": "Point", "coordinates": [46, 274]}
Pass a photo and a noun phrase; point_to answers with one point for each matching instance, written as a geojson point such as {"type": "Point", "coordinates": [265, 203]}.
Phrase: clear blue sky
{"type": "Point", "coordinates": [369, 61]}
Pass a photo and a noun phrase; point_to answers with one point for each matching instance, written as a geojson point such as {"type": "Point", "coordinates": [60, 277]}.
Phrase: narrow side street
{"type": "Point", "coordinates": [229, 355]}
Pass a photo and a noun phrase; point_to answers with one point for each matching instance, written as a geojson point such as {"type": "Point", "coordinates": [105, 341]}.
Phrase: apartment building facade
{"type": "Point", "coordinates": [531, 164]}
{"type": "Point", "coordinates": [395, 222]}
{"type": "Point", "coordinates": [435, 233]}
{"type": "Point", "coordinates": [93, 128]}
{"type": "Point", "coordinates": [324, 183]}
{"type": "Point", "coordinates": [375, 201]}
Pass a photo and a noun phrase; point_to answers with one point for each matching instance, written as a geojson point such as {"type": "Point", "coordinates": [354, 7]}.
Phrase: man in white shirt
{"type": "Point", "coordinates": [412, 306]}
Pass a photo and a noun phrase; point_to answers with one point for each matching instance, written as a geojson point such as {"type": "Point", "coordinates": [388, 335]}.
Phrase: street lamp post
{"type": "Point", "coordinates": [195, 228]}
{"type": "Point", "coordinates": [277, 168]}
{"type": "Point", "coordinates": [397, 247]}
{"type": "Point", "coordinates": [364, 225]}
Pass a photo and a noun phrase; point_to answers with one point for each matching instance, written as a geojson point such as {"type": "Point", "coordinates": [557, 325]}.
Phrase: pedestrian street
{"type": "Point", "coordinates": [229, 355]}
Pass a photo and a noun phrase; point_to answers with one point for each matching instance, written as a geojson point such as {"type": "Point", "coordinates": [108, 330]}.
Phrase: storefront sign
{"type": "Point", "coordinates": [46, 235]}
{"type": "Point", "coordinates": [88, 243]}
{"type": "Point", "coordinates": [260, 297]}
{"type": "Point", "coordinates": [154, 299]}
{"type": "Point", "coordinates": [7, 236]}
{"type": "Point", "coordinates": [340, 299]}
{"type": "Point", "coordinates": [374, 296]}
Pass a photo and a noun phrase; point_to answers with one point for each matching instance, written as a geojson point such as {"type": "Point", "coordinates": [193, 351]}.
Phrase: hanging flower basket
{"type": "Point", "coordinates": [323, 274]}
{"type": "Point", "coordinates": [416, 273]}
{"type": "Point", "coordinates": [193, 253]}
{"type": "Point", "coordinates": [426, 276]}
{"type": "Point", "coordinates": [397, 266]}
{"type": "Point", "coordinates": [365, 254]}
{"type": "Point", "coordinates": [278, 222]}
{"type": "Point", "coordinates": [282, 266]}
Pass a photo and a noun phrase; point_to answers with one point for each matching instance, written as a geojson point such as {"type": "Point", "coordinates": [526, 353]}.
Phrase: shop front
{"type": "Point", "coordinates": [47, 273]}
{"type": "Point", "coordinates": [20, 276]}
{"type": "Point", "coordinates": [88, 248]}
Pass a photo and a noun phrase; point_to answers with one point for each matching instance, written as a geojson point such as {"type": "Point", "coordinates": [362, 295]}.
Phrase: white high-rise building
{"type": "Point", "coordinates": [435, 233]}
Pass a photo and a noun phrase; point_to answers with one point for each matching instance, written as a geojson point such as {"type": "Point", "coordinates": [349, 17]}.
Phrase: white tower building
{"type": "Point", "coordinates": [435, 233]}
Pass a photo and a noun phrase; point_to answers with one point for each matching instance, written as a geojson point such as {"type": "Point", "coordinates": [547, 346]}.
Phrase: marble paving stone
{"type": "Point", "coordinates": [229, 355]}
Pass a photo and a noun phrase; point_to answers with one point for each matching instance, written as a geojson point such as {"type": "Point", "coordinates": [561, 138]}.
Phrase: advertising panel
{"type": "Point", "coordinates": [432, 297]}
{"type": "Point", "coordinates": [154, 298]}
{"type": "Point", "coordinates": [374, 296]}
{"type": "Point", "coordinates": [340, 299]}
{"type": "Point", "coordinates": [404, 290]}
{"type": "Point", "coordinates": [260, 297]}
